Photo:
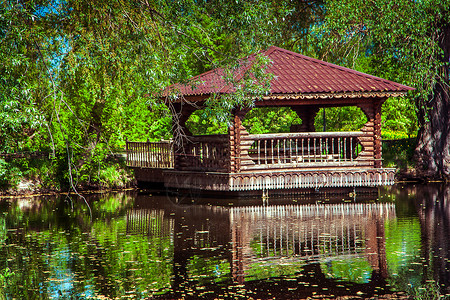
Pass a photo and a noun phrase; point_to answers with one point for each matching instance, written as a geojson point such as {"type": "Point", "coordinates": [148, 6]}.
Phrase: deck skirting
{"type": "Point", "coordinates": [282, 180]}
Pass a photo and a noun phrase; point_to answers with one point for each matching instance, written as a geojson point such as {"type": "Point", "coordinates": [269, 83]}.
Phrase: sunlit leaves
{"type": "Point", "coordinates": [401, 35]}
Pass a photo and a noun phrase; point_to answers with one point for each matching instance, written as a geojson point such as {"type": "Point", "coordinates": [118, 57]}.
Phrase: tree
{"type": "Point", "coordinates": [410, 40]}
{"type": "Point", "coordinates": [76, 75]}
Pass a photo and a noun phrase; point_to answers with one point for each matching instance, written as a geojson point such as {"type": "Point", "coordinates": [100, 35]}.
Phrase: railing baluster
{"type": "Point", "coordinates": [271, 145]}
{"type": "Point", "coordinates": [165, 156]}
{"type": "Point", "coordinates": [259, 152]}
{"type": "Point", "coordinates": [339, 148]}
{"type": "Point", "coordinates": [345, 149]}
{"type": "Point", "coordinates": [134, 154]}
{"type": "Point", "coordinates": [155, 149]}
{"type": "Point", "coordinates": [309, 151]}
{"type": "Point", "coordinates": [351, 149]}
{"type": "Point", "coordinates": [320, 147]}
{"type": "Point", "coordinates": [151, 161]}
{"type": "Point", "coordinates": [265, 151]}
{"type": "Point", "coordinates": [151, 157]}
{"type": "Point", "coordinates": [145, 154]}
{"type": "Point", "coordinates": [303, 149]}
{"type": "Point", "coordinates": [296, 150]}
{"type": "Point", "coordinates": [278, 151]}
{"type": "Point", "coordinates": [332, 148]}
{"type": "Point", "coordinates": [137, 155]}
{"type": "Point", "coordinates": [315, 149]}
{"type": "Point", "coordinates": [140, 155]}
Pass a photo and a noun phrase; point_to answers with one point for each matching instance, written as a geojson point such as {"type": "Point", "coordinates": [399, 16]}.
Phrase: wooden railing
{"type": "Point", "coordinates": [157, 155]}
{"type": "Point", "coordinates": [211, 153]}
{"type": "Point", "coordinates": [303, 150]}
{"type": "Point", "coordinates": [204, 153]}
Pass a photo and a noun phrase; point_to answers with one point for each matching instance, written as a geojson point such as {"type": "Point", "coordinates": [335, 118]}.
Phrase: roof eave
{"type": "Point", "coordinates": [364, 94]}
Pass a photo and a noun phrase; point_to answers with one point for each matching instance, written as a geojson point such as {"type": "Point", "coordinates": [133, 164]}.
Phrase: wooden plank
{"type": "Point", "coordinates": [369, 148]}
{"type": "Point", "coordinates": [366, 139]}
{"type": "Point", "coordinates": [245, 142]}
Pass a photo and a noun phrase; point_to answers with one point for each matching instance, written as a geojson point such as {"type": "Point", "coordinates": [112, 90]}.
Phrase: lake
{"type": "Point", "coordinates": [392, 244]}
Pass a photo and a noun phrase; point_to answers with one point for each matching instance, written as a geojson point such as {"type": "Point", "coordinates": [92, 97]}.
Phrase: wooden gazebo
{"type": "Point", "coordinates": [301, 159]}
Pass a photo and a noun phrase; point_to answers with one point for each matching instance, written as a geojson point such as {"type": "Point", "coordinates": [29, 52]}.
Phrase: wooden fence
{"type": "Point", "coordinates": [157, 155]}
{"type": "Point", "coordinates": [302, 150]}
{"type": "Point", "coordinates": [205, 153]}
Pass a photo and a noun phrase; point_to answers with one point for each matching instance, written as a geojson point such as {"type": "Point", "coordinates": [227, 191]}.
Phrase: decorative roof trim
{"type": "Point", "coordinates": [333, 95]}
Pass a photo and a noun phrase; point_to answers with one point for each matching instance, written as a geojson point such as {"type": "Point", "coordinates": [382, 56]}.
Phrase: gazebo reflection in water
{"type": "Point", "coordinates": [308, 242]}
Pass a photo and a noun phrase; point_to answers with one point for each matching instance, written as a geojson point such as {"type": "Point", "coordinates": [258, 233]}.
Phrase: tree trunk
{"type": "Point", "coordinates": [432, 152]}
{"type": "Point", "coordinates": [433, 148]}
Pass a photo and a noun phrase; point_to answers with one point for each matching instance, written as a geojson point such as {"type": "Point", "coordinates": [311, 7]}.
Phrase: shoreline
{"type": "Point", "coordinates": [38, 193]}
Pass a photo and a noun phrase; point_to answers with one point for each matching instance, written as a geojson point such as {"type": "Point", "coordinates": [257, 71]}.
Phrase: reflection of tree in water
{"type": "Point", "coordinates": [433, 203]}
{"type": "Point", "coordinates": [284, 249]}
{"type": "Point", "coordinates": [54, 247]}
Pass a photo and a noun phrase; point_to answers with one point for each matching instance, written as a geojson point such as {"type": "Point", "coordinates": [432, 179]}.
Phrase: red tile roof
{"type": "Point", "coordinates": [296, 74]}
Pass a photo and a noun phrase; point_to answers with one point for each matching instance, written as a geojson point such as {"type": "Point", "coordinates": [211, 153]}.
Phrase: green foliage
{"type": "Point", "coordinates": [77, 74]}
{"type": "Point", "coordinates": [399, 117]}
{"type": "Point", "coordinates": [249, 81]}
{"type": "Point", "coordinates": [399, 39]}
{"type": "Point", "coordinates": [9, 174]}
{"type": "Point", "coordinates": [4, 275]}
{"type": "Point", "coordinates": [270, 120]}
{"type": "Point", "coordinates": [80, 77]}
{"type": "Point", "coordinates": [199, 123]}
{"type": "Point", "coordinates": [349, 118]}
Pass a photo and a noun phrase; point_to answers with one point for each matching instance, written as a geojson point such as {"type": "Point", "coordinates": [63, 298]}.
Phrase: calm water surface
{"type": "Point", "coordinates": [136, 246]}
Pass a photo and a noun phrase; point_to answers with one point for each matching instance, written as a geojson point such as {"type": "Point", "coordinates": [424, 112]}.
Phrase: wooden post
{"type": "Point", "coordinates": [372, 128]}
{"type": "Point", "coordinates": [307, 114]}
{"type": "Point", "coordinates": [237, 130]}
{"type": "Point", "coordinates": [377, 133]}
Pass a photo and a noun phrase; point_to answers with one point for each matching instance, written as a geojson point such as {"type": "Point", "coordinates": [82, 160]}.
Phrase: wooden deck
{"type": "Point", "coordinates": [307, 160]}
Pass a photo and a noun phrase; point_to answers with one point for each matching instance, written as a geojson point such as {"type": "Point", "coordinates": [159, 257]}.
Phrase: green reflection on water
{"type": "Point", "coordinates": [207, 270]}
{"type": "Point", "coordinates": [403, 252]}
{"type": "Point", "coordinates": [355, 269]}
{"type": "Point", "coordinates": [274, 269]}
{"type": "Point", "coordinates": [50, 248]}
{"type": "Point", "coordinates": [57, 252]}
